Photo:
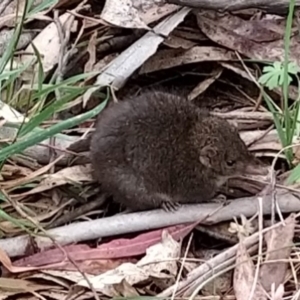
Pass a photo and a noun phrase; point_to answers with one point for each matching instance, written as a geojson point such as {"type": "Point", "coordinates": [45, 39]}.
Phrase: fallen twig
{"type": "Point", "coordinates": [153, 219]}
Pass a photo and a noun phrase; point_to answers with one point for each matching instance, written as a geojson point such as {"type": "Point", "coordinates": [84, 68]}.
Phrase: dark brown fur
{"type": "Point", "coordinates": [158, 149]}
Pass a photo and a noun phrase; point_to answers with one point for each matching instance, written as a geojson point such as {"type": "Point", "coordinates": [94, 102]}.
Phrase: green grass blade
{"type": "Point", "coordinates": [42, 6]}
{"type": "Point", "coordinates": [287, 115]}
{"type": "Point", "coordinates": [46, 113]}
{"type": "Point", "coordinates": [37, 137]}
{"type": "Point", "coordinates": [18, 223]}
{"type": "Point", "coordinates": [47, 89]}
{"type": "Point", "coordinates": [294, 176]}
{"type": "Point", "coordinates": [277, 122]}
{"type": "Point", "coordinates": [280, 131]}
{"type": "Point", "coordinates": [10, 50]}
{"type": "Point", "coordinates": [41, 74]}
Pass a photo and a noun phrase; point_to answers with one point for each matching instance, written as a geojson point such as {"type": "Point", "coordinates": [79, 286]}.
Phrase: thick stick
{"type": "Point", "coordinates": [140, 221]}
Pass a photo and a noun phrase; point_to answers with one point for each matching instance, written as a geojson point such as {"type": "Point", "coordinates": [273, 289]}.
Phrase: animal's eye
{"type": "Point", "coordinates": [230, 163]}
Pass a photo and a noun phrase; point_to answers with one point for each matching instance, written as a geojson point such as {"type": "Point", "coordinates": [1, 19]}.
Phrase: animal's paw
{"type": "Point", "coordinates": [166, 202]}
{"type": "Point", "coordinates": [170, 206]}
{"type": "Point", "coordinates": [220, 199]}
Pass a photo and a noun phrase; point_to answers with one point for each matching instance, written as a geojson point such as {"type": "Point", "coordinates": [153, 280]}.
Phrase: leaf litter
{"type": "Point", "coordinates": [135, 45]}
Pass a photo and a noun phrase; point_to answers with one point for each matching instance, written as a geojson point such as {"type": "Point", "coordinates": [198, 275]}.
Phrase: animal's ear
{"type": "Point", "coordinates": [207, 154]}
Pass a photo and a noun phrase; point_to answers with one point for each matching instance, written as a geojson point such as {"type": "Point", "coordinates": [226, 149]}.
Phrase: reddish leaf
{"type": "Point", "coordinates": [119, 248]}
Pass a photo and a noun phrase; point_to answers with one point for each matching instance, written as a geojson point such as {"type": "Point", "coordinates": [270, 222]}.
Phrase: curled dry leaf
{"type": "Point", "coordinates": [244, 276]}
{"type": "Point", "coordinates": [170, 249]}
{"type": "Point", "coordinates": [279, 245]}
{"type": "Point", "coordinates": [120, 281]}
{"type": "Point", "coordinates": [176, 42]}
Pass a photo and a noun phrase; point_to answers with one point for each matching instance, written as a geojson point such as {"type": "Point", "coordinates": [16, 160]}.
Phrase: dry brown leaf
{"type": "Point", "coordinates": [256, 39]}
{"type": "Point", "coordinates": [269, 141]}
{"type": "Point", "coordinates": [192, 34]}
{"type": "Point", "coordinates": [122, 13]}
{"type": "Point", "coordinates": [110, 283]}
{"type": "Point", "coordinates": [92, 53]}
{"type": "Point", "coordinates": [102, 63]}
{"type": "Point", "coordinates": [244, 276]}
{"type": "Point", "coordinates": [9, 171]}
{"type": "Point", "coordinates": [170, 249]}
{"type": "Point", "coordinates": [48, 277]}
{"type": "Point", "coordinates": [8, 16]}
{"type": "Point", "coordinates": [296, 159]}
{"type": "Point", "coordinates": [73, 174]}
{"type": "Point", "coordinates": [49, 48]}
{"type": "Point", "coordinates": [91, 266]}
{"type": "Point", "coordinates": [238, 70]}
{"type": "Point", "coordinates": [218, 286]}
{"type": "Point", "coordinates": [166, 59]}
{"type": "Point", "coordinates": [6, 36]}
{"type": "Point", "coordinates": [279, 245]}
{"type": "Point", "coordinates": [8, 184]}
{"type": "Point", "coordinates": [257, 30]}
{"type": "Point", "coordinates": [154, 11]}
{"type": "Point", "coordinates": [20, 285]}
{"type": "Point", "coordinates": [73, 276]}
{"type": "Point", "coordinates": [205, 84]}
{"type": "Point", "coordinates": [159, 258]}
{"type": "Point", "coordinates": [135, 14]}
{"type": "Point", "coordinates": [5, 295]}
{"type": "Point", "coordinates": [176, 42]}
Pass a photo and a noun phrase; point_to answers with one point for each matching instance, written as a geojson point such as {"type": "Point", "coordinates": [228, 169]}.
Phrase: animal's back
{"type": "Point", "coordinates": [149, 136]}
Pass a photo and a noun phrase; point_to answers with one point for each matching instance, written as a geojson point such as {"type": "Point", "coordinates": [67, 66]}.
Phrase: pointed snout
{"type": "Point", "coordinates": [255, 167]}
